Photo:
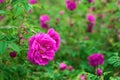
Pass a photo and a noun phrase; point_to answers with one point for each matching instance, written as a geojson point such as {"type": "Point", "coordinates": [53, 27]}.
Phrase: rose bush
{"type": "Point", "coordinates": [59, 40]}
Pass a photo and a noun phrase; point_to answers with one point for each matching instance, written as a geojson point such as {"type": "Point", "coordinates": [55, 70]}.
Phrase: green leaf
{"type": "Point", "coordinates": [26, 6]}
{"type": "Point", "coordinates": [2, 12]}
{"type": "Point", "coordinates": [3, 46]}
{"type": "Point", "coordinates": [37, 6]}
{"type": "Point", "coordinates": [15, 47]}
{"type": "Point", "coordinates": [114, 60]}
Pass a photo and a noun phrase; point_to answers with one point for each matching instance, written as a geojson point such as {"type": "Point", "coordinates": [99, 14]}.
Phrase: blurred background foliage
{"type": "Point", "coordinates": [76, 43]}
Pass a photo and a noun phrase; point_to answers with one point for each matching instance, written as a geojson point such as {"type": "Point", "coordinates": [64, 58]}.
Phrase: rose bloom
{"type": "Point", "coordinates": [91, 18]}
{"type": "Point", "coordinates": [44, 19]}
{"type": "Point", "coordinates": [99, 72]}
{"type": "Point", "coordinates": [96, 59]}
{"type": "Point", "coordinates": [1, 1]}
{"type": "Point", "coordinates": [62, 66]}
{"type": "Point", "coordinates": [32, 1]}
{"type": "Point", "coordinates": [71, 5]}
{"type": "Point", "coordinates": [54, 35]}
{"type": "Point", "coordinates": [42, 48]}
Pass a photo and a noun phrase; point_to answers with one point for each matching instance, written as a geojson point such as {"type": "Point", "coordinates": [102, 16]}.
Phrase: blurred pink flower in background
{"type": "Point", "coordinates": [71, 5]}
{"type": "Point", "coordinates": [118, 3]}
{"type": "Point", "coordinates": [82, 77]}
{"type": "Point", "coordinates": [9, 8]}
{"type": "Point", "coordinates": [44, 19]}
{"type": "Point", "coordinates": [62, 66]}
{"type": "Point", "coordinates": [119, 36]}
{"type": "Point", "coordinates": [1, 1]}
{"type": "Point", "coordinates": [31, 11]}
{"type": "Point", "coordinates": [32, 1]}
{"type": "Point", "coordinates": [96, 59]}
{"type": "Point", "coordinates": [70, 68]}
{"type": "Point", "coordinates": [91, 18]}
{"type": "Point", "coordinates": [61, 12]}
{"type": "Point", "coordinates": [42, 48]}
{"type": "Point", "coordinates": [91, 1]}
{"type": "Point", "coordinates": [102, 15]}
{"type": "Point", "coordinates": [99, 72]}
{"type": "Point", "coordinates": [86, 38]}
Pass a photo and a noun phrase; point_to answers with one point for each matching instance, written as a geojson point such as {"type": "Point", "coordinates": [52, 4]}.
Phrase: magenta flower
{"type": "Point", "coordinates": [32, 1]}
{"type": "Point", "coordinates": [9, 8]}
{"type": "Point", "coordinates": [91, 1]}
{"type": "Point", "coordinates": [13, 54]}
{"type": "Point", "coordinates": [62, 66]}
{"type": "Point", "coordinates": [119, 36]}
{"type": "Point", "coordinates": [99, 72]}
{"type": "Point", "coordinates": [44, 19]}
{"type": "Point", "coordinates": [83, 77]}
{"type": "Point", "coordinates": [91, 18]}
{"type": "Point", "coordinates": [61, 12]}
{"type": "Point", "coordinates": [70, 68]}
{"type": "Point", "coordinates": [42, 48]}
{"type": "Point", "coordinates": [96, 59]}
{"type": "Point", "coordinates": [1, 1]}
{"type": "Point", "coordinates": [67, 1]}
{"type": "Point", "coordinates": [71, 5]}
{"type": "Point", "coordinates": [54, 35]}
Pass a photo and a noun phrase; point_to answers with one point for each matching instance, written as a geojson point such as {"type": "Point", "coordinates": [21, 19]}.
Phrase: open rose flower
{"type": "Point", "coordinates": [96, 59]}
{"type": "Point", "coordinates": [71, 5]}
{"type": "Point", "coordinates": [42, 48]}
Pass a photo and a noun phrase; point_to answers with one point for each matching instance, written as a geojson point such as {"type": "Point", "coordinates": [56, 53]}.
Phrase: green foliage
{"type": "Point", "coordinates": [3, 46]}
{"type": "Point", "coordinates": [19, 24]}
{"type": "Point", "coordinates": [14, 47]}
{"type": "Point", "coordinates": [114, 60]}
{"type": "Point", "coordinates": [114, 78]}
